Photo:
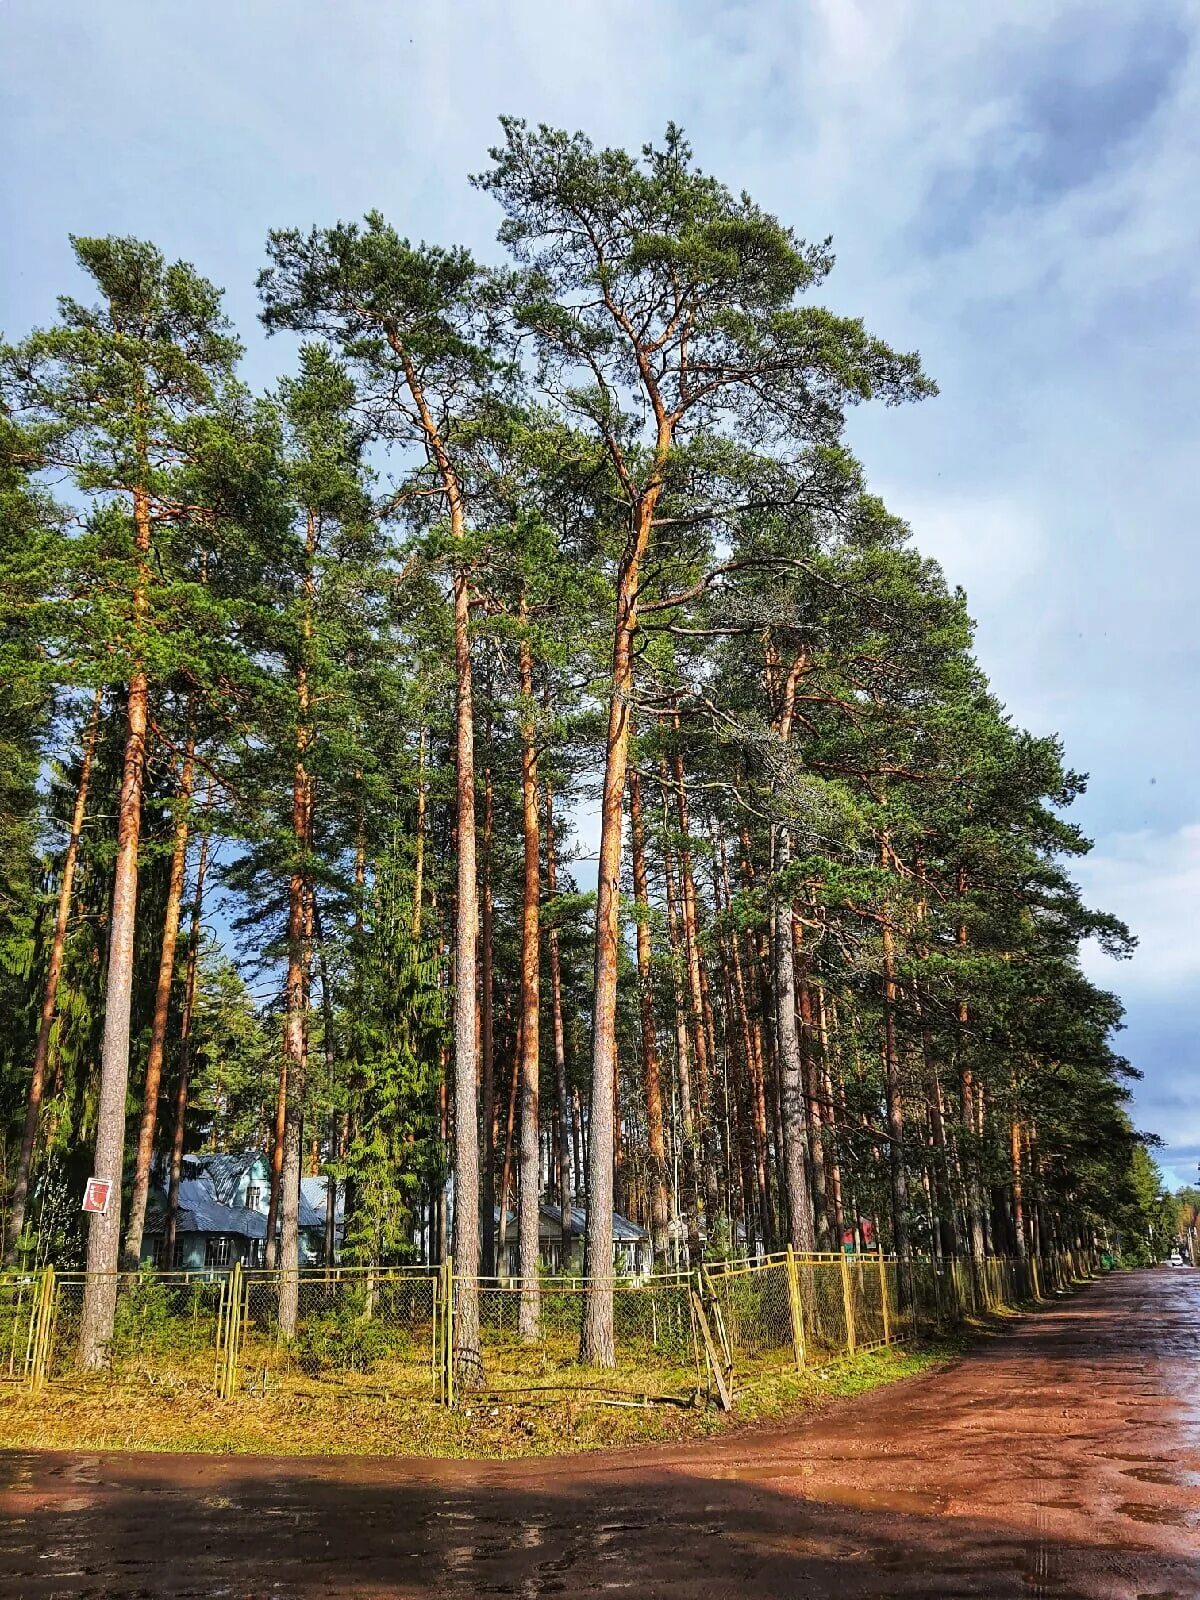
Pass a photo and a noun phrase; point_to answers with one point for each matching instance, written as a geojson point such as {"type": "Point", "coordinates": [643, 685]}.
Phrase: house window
{"type": "Point", "coordinates": [218, 1251]}
{"type": "Point", "coordinates": [160, 1254]}
{"type": "Point", "coordinates": [253, 1197]}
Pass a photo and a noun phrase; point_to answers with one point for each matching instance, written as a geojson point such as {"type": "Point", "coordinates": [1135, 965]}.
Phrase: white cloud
{"type": "Point", "coordinates": [1152, 880]}
{"type": "Point", "coordinates": [988, 543]}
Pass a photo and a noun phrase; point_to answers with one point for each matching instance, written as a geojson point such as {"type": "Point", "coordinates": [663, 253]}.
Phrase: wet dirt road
{"type": "Point", "coordinates": [1060, 1459]}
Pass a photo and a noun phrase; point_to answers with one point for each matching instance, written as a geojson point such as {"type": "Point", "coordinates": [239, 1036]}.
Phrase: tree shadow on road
{"type": "Point", "coordinates": [150, 1526]}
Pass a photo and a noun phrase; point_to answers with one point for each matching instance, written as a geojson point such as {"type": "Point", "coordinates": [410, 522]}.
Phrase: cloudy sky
{"type": "Point", "coordinates": [1011, 187]}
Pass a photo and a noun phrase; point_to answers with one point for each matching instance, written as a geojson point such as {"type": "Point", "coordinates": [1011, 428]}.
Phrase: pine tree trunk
{"type": "Point", "coordinates": [810, 1068]}
{"type": "Point", "coordinates": [41, 1053]}
{"type": "Point", "coordinates": [701, 1088]}
{"type": "Point", "coordinates": [656, 1149]}
{"type": "Point", "coordinates": [104, 1231]}
{"type": "Point", "coordinates": [568, 1135]}
{"type": "Point", "coordinates": [278, 1133]}
{"type": "Point", "coordinates": [754, 1109]}
{"type": "Point", "coordinates": [1018, 1191]}
{"type": "Point", "coordinates": [597, 1344]}
{"type": "Point", "coordinates": [833, 1165]}
{"type": "Point", "coordinates": [894, 1103]}
{"type": "Point", "coordinates": [185, 1053]}
{"type": "Point", "coordinates": [578, 1143]}
{"type": "Point", "coordinates": [162, 1005]}
{"type": "Point", "coordinates": [506, 1168]}
{"type": "Point", "coordinates": [488, 1039]}
{"type": "Point", "coordinates": [529, 1215]}
{"type": "Point", "coordinates": [419, 860]}
{"type": "Point", "coordinates": [294, 1073]}
{"type": "Point", "coordinates": [467, 1356]}
{"type": "Point", "coordinates": [468, 1360]}
{"type": "Point", "coordinates": [691, 1155]}
{"type": "Point", "coordinates": [795, 1137]}
{"type": "Point", "coordinates": [755, 1004]}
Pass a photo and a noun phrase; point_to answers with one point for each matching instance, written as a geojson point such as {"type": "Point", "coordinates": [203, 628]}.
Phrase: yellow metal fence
{"type": "Point", "coordinates": [427, 1334]}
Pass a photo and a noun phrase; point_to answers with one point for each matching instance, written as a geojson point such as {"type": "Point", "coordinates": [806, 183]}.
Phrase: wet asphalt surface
{"type": "Point", "coordinates": [1061, 1458]}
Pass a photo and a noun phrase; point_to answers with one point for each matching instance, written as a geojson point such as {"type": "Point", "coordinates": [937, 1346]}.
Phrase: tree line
{"type": "Point", "coordinates": [314, 701]}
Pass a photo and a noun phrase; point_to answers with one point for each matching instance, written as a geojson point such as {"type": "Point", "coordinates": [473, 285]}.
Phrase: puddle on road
{"type": "Point", "coordinates": [872, 1498]}
{"type": "Point", "coordinates": [1163, 1516]}
{"type": "Point", "coordinates": [1179, 1477]}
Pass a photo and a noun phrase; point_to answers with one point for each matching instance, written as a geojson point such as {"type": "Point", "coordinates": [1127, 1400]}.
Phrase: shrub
{"type": "Point", "coordinates": [156, 1319]}
{"type": "Point", "coordinates": [346, 1338]}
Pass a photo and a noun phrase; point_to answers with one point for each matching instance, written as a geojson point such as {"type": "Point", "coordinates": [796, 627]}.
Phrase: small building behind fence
{"type": "Point", "coordinates": [632, 1256]}
{"type": "Point", "coordinates": [223, 1203]}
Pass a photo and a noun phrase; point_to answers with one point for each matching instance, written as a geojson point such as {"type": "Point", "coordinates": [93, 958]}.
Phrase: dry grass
{"type": "Point", "coordinates": [362, 1414]}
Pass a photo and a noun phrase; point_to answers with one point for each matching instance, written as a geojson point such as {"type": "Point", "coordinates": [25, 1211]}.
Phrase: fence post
{"type": "Point", "coordinates": [42, 1320]}
{"type": "Point", "coordinates": [230, 1350]}
{"type": "Point", "coordinates": [448, 1269]}
{"type": "Point", "coordinates": [883, 1298]}
{"type": "Point", "coordinates": [435, 1334]}
{"type": "Point", "coordinates": [797, 1310]}
{"type": "Point", "coordinates": [709, 1291]}
{"type": "Point", "coordinates": [439, 1332]}
{"type": "Point", "coordinates": [848, 1304]}
{"type": "Point", "coordinates": [710, 1349]}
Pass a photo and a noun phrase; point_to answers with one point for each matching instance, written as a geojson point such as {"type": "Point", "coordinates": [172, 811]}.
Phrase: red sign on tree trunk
{"type": "Point", "coordinates": [95, 1196]}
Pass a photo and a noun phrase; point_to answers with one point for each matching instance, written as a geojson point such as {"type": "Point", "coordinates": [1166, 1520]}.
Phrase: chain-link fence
{"type": "Point", "coordinates": [20, 1295]}
{"type": "Point", "coordinates": [531, 1333]}
{"type": "Point", "coordinates": [792, 1309]}
{"type": "Point", "coordinates": [365, 1328]}
{"type": "Point", "coordinates": [165, 1328]}
{"type": "Point", "coordinates": [323, 1337]}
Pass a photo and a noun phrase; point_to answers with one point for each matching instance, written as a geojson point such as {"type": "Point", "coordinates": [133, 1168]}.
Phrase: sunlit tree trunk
{"type": "Point", "coordinates": [691, 1154]}
{"type": "Point", "coordinates": [1018, 1190]}
{"type": "Point", "coordinates": [467, 1357]}
{"type": "Point", "coordinates": [487, 1031]}
{"type": "Point", "coordinates": [656, 1150]}
{"type": "Point", "coordinates": [162, 1005]}
{"type": "Point", "coordinates": [894, 1101]}
{"type": "Point", "coordinates": [100, 1293]}
{"type": "Point", "coordinates": [506, 1168]}
{"type": "Point", "coordinates": [597, 1342]}
{"type": "Point", "coordinates": [810, 1066]}
{"type": "Point", "coordinates": [530, 1163]}
{"type": "Point", "coordinates": [567, 1133]}
{"type": "Point", "coordinates": [833, 1165]}
{"type": "Point", "coordinates": [795, 1139]}
{"type": "Point", "coordinates": [701, 1087]}
{"type": "Point", "coordinates": [294, 1071]}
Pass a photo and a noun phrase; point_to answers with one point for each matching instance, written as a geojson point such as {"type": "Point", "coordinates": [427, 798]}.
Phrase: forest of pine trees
{"type": "Point", "coordinates": [318, 706]}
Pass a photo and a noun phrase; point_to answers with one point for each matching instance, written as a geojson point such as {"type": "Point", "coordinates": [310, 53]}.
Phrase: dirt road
{"type": "Point", "coordinates": [1061, 1459]}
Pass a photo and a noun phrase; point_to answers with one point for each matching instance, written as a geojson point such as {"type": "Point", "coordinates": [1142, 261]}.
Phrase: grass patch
{"type": "Point", "coordinates": [357, 1413]}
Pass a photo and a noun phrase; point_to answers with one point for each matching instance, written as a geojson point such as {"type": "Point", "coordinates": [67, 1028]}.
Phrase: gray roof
{"type": "Point", "coordinates": [201, 1211]}
{"type": "Point", "coordinates": [225, 1168]}
{"type": "Point", "coordinates": [624, 1231]}
{"type": "Point", "coordinates": [313, 1196]}
{"type": "Point", "coordinates": [550, 1220]}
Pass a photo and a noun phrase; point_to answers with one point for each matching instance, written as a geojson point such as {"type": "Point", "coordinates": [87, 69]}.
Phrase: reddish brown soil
{"type": "Point", "coordinates": [1059, 1459]}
